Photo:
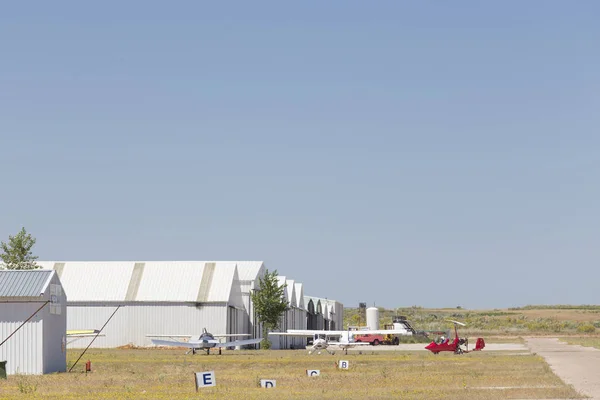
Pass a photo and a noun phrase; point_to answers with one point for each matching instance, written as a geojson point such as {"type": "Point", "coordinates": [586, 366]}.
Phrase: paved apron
{"type": "Point", "coordinates": [575, 365]}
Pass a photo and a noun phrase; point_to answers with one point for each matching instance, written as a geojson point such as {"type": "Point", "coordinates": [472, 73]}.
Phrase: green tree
{"type": "Point", "coordinates": [16, 254]}
{"type": "Point", "coordinates": [269, 304]}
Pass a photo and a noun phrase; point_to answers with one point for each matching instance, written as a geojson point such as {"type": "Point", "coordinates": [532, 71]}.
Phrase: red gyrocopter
{"type": "Point", "coordinates": [455, 345]}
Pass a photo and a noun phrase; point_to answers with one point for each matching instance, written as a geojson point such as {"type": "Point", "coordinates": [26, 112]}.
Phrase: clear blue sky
{"type": "Point", "coordinates": [426, 153]}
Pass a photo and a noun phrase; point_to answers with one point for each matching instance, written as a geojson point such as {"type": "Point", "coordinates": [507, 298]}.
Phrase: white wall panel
{"type": "Point", "coordinates": [55, 326]}
{"type": "Point", "coordinates": [23, 352]}
{"type": "Point", "coordinates": [132, 322]}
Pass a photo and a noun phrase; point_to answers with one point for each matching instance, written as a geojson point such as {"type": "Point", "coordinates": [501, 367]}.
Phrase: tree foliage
{"type": "Point", "coordinates": [269, 302]}
{"type": "Point", "coordinates": [16, 254]}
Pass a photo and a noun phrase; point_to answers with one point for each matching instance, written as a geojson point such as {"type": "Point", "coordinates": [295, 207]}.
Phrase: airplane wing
{"type": "Point", "coordinates": [238, 343]}
{"type": "Point", "coordinates": [378, 332]}
{"type": "Point", "coordinates": [233, 335]}
{"type": "Point", "coordinates": [85, 332]}
{"type": "Point", "coordinates": [300, 332]}
{"type": "Point", "coordinates": [86, 335]}
{"type": "Point", "coordinates": [311, 332]}
{"type": "Point", "coordinates": [175, 343]}
{"type": "Point", "coordinates": [291, 334]}
{"type": "Point", "coordinates": [73, 337]}
{"type": "Point", "coordinates": [172, 336]}
{"type": "Point", "coordinates": [190, 336]}
{"type": "Point", "coordinates": [350, 343]}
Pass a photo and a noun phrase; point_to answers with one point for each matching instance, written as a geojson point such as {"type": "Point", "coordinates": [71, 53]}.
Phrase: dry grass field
{"type": "Point", "coordinates": [168, 374]}
{"type": "Point", "coordinates": [578, 315]}
{"type": "Point", "coordinates": [528, 320]}
{"type": "Point", "coordinates": [583, 341]}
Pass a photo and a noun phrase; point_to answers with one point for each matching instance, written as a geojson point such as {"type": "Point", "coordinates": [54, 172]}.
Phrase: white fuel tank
{"type": "Point", "coordinates": [373, 318]}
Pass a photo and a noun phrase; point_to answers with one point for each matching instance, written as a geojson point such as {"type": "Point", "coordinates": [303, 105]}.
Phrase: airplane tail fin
{"type": "Point", "coordinates": [479, 345]}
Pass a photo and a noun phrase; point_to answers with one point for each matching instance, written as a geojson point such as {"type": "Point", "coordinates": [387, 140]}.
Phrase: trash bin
{"type": "Point", "coordinates": [2, 369]}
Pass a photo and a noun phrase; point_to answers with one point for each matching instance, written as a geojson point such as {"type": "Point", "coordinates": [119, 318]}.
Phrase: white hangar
{"type": "Point", "coordinates": [33, 322]}
{"type": "Point", "coordinates": [135, 299]}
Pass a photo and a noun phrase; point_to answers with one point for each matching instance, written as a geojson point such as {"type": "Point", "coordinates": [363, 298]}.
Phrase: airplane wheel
{"type": "Point", "coordinates": [319, 352]}
{"type": "Point", "coordinates": [396, 341]}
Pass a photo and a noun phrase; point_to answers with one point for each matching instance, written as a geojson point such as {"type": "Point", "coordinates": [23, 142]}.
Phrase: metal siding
{"type": "Point", "coordinates": [55, 326]}
{"type": "Point", "coordinates": [23, 283]}
{"type": "Point", "coordinates": [24, 350]}
{"type": "Point", "coordinates": [300, 323]}
{"type": "Point", "coordinates": [246, 301]}
{"type": "Point", "coordinates": [170, 281]}
{"type": "Point", "coordinates": [132, 322]}
{"type": "Point", "coordinates": [293, 318]}
{"type": "Point", "coordinates": [296, 342]}
{"type": "Point", "coordinates": [339, 316]}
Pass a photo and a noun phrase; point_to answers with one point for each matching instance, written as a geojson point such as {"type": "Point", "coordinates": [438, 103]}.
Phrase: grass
{"type": "Point", "coordinates": [168, 374]}
{"type": "Point", "coordinates": [583, 341]}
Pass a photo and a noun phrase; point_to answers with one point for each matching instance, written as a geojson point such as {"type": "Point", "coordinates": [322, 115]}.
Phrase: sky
{"type": "Point", "coordinates": [425, 153]}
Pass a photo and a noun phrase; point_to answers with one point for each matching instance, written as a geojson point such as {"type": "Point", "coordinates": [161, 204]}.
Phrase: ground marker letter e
{"type": "Point", "coordinates": [205, 379]}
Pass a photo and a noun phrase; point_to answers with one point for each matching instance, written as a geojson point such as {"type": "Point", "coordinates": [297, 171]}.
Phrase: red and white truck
{"type": "Point", "coordinates": [399, 323]}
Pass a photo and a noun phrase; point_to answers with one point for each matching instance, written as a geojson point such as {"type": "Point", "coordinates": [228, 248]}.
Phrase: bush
{"type": "Point", "coordinates": [586, 328]}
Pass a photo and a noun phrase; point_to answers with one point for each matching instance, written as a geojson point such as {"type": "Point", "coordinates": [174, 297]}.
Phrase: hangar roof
{"type": "Point", "coordinates": [249, 270]}
{"type": "Point", "coordinates": [328, 306]}
{"type": "Point", "coordinates": [149, 281]}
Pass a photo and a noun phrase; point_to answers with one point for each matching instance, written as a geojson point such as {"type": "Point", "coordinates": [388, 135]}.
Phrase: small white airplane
{"type": "Point", "coordinates": [206, 341]}
{"type": "Point", "coordinates": [345, 339]}
{"type": "Point", "coordinates": [323, 339]}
